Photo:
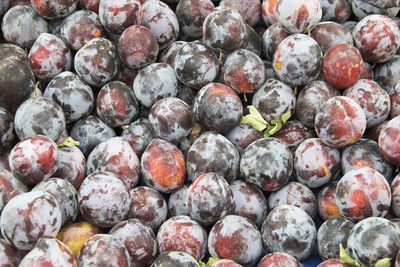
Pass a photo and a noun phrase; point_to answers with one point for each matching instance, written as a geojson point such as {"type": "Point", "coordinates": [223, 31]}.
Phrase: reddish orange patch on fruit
{"type": "Point", "coordinates": [362, 206]}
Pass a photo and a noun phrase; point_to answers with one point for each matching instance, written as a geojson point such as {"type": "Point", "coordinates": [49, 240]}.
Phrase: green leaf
{"type": "Point", "coordinates": [277, 123]}
{"type": "Point", "coordinates": [254, 119]}
{"type": "Point", "coordinates": [69, 142]}
{"type": "Point", "coordinates": [210, 262]}
{"type": "Point", "coordinates": [345, 257]}
{"type": "Point", "coordinates": [385, 262]}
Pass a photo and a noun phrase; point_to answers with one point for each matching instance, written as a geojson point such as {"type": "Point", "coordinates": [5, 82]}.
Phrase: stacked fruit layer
{"type": "Point", "coordinates": [178, 132]}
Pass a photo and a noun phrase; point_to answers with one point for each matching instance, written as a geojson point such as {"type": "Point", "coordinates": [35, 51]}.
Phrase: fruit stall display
{"type": "Point", "coordinates": [199, 133]}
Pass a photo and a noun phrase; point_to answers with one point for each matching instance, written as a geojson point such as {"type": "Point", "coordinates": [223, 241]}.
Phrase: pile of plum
{"type": "Point", "coordinates": [123, 139]}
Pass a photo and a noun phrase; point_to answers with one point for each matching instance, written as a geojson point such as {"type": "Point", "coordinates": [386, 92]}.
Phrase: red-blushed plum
{"type": "Point", "coordinates": [377, 37]}
{"type": "Point", "coordinates": [291, 230]}
{"type": "Point", "coordinates": [104, 199]}
{"type": "Point", "coordinates": [217, 108]}
{"type": "Point", "coordinates": [177, 202]}
{"type": "Point", "coordinates": [341, 66]}
{"type": "Point", "coordinates": [191, 15]}
{"type": "Point", "coordinates": [29, 216]}
{"type": "Point", "coordinates": [39, 116]}
{"type": "Point", "coordinates": [139, 135]}
{"type": "Point", "coordinates": [137, 47]}
{"type": "Point", "coordinates": [243, 135]}
{"type": "Point", "coordinates": [279, 259]}
{"type": "Point", "coordinates": [271, 38]}
{"type": "Point", "coordinates": [249, 202]}
{"type": "Point", "coordinates": [162, 22]}
{"type": "Point", "coordinates": [297, 60]}
{"type": "Point", "coordinates": [97, 62]}
{"type": "Point", "coordinates": [243, 71]}
{"type": "Point", "coordinates": [19, 2]}
{"type": "Point", "coordinates": [315, 163]}
{"type": "Point", "coordinates": [209, 198]}
{"type": "Point", "coordinates": [235, 238]}
{"type": "Point", "coordinates": [388, 141]}
{"type": "Point", "coordinates": [363, 193]}
{"type": "Point", "coordinates": [54, 9]}
{"type": "Point", "coordinates": [273, 99]}
{"type": "Point", "coordinates": [9, 187]}
{"type": "Point", "coordinates": [162, 166]}
{"type": "Point", "coordinates": [212, 152]}
{"type": "Point", "coordinates": [298, 16]}
{"type": "Point", "coordinates": [49, 252]}
{"type": "Point", "coordinates": [71, 165]}
{"type": "Point", "coordinates": [196, 65]}
{"type": "Point", "coordinates": [21, 26]}
{"type": "Point", "coordinates": [169, 53]}
{"type": "Point", "coordinates": [387, 74]}
{"type": "Point", "coordinates": [333, 263]}
{"type": "Point", "coordinates": [138, 239]}
{"type": "Point", "coordinates": [225, 263]}
{"type": "Point", "coordinates": [176, 259]}
{"type": "Point", "coordinates": [9, 255]}
{"type": "Point", "coordinates": [340, 121]}
{"type": "Point", "coordinates": [76, 234]}
{"type": "Point", "coordinates": [149, 206]}
{"type": "Point", "coordinates": [332, 233]}
{"type": "Point", "coordinates": [116, 104]}
{"type": "Point", "coordinates": [103, 250]}
{"type": "Point", "coordinates": [296, 194]}
{"type": "Point", "coordinates": [182, 233]}
{"type": "Point", "coordinates": [92, 5]}
{"type": "Point", "coordinates": [65, 194]}
{"type": "Point", "coordinates": [311, 98]}
{"type": "Point", "coordinates": [329, 33]}
{"type": "Point", "coordinates": [365, 153]}
{"type": "Point", "coordinates": [249, 10]}
{"type": "Point", "coordinates": [74, 96]}
{"type": "Point", "coordinates": [171, 119]}
{"type": "Point", "coordinates": [155, 82]}
{"type": "Point", "coordinates": [363, 8]}
{"type": "Point", "coordinates": [117, 156]}
{"type": "Point", "coordinates": [374, 100]}
{"type": "Point", "coordinates": [373, 239]}
{"type": "Point", "coordinates": [34, 159]}
{"type": "Point", "coordinates": [116, 16]}
{"type": "Point", "coordinates": [267, 163]}
{"type": "Point", "coordinates": [335, 10]}
{"type": "Point", "coordinates": [326, 199]}
{"type": "Point", "coordinates": [227, 38]}
{"type": "Point", "coordinates": [292, 133]}
{"type": "Point", "coordinates": [268, 12]}
{"type": "Point", "coordinates": [89, 132]}
{"type": "Point", "coordinates": [80, 27]}
{"type": "Point", "coordinates": [49, 56]}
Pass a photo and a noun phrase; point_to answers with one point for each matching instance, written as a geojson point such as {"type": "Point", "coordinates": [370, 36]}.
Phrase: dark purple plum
{"type": "Point", "coordinates": [139, 135]}
{"type": "Point", "coordinates": [89, 132]}
{"type": "Point", "coordinates": [177, 202]}
{"type": "Point", "coordinates": [154, 82]}
{"type": "Point", "coordinates": [54, 9]}
{"type": "Point", "coordinates": [138, 239]}
{"type": "Point", "coordinates": [249, 10]}
{"type": "Point", "coordinates": [104, 199]}
{"type": "Point", "coordinates": [243, 135]}
{"type": "Point", "coordinates": [80, 27]}
{"type": "Point", "coordinates": [335, 10]}
{"type": "Point", "coordinates": [175, 258]}
{"type": "Point", "coordinates": [387, 74]}
{"type": "Point", "coordinates": [7, 134]}
{"type": "Point", "coordinates": [271, 38]}
{"type": "Point", "coordinates": [10, 186]}
{"type": "Point", "coordinates": [169, 53]}
{"type": "Point", "coordinates": [9, 255]}
{"type": "Point", "coordinates": [212, 152]}
{"type": "Point", "coordinates": [329, 33]}
{"type": "Point", "coordinates": [74, 96]}
{"type": "Point", "coordinates": [363, 8]}
{"type": "Point", "coordinates": [71, 165]}
{"type": "Point", "coordinates": [21, 26]}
